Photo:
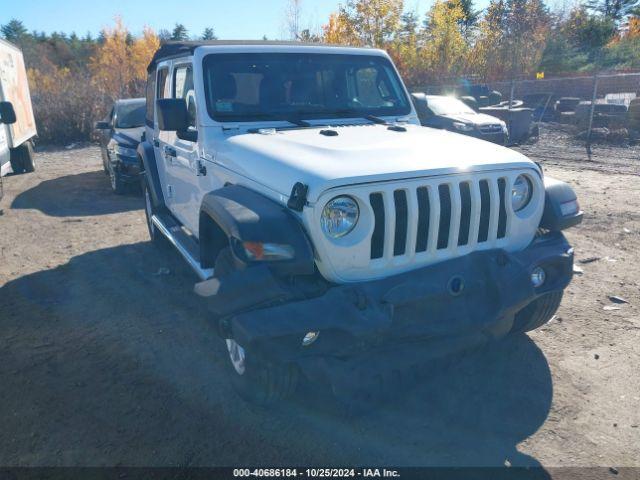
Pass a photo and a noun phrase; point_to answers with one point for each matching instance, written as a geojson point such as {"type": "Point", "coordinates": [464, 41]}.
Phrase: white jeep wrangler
{"type": "Point", "coordinates": [334, 237]}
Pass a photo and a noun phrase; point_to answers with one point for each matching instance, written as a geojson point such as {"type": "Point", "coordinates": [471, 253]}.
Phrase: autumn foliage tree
{"type": "Point", "coordinates": [364, 22]}
{"type": "Point", "coordinates": [445, 50]}
{"type": "Point", "coordinates": [118, 67]}
{"type": "Point", "coordinates": [75, 80]}
{"type": "Point", "coordinates": [509, 39]}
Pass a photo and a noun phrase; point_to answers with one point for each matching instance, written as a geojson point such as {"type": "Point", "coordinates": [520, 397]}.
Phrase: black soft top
{"type": "Point", "coordinates": [180, 49]}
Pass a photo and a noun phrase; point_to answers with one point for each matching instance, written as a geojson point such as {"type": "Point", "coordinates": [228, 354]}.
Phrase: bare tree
{"type": "Point", "coordinates": [292, 19]}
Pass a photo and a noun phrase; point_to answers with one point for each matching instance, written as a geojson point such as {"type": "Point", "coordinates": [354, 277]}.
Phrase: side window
{"type": "Point", "coordinates": [150, 94]}
{"type": "Point", "coordinates": [162, 82]}
{"type": "Point", "coordinates": [183, 88]}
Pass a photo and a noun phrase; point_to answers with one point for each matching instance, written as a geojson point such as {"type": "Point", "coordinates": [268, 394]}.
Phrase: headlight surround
{"type": "Point", "coordinates": [463, 127]}
{"type": "Point", "coordinates": [125, 151]}
{"type": "Point", "coordinates": [521, 192]}
{"type": "Point", "coordinates": [339, 216]}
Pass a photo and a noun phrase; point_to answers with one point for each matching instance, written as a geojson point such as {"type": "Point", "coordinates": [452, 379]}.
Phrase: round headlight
{"type": "Point", "coordinates": [521, 193]}
{"type": "Point", "coordinates": [339, 216]}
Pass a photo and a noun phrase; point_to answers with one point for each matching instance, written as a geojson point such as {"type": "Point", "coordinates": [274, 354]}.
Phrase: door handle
{"type": "Point", "coordinates": [201, 170]}
{"type": "Point", "coordinates": [169, 151]}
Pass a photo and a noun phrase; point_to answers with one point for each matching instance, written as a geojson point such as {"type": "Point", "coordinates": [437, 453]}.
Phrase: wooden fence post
{"type": "Point", "coordinates": [591, 112]}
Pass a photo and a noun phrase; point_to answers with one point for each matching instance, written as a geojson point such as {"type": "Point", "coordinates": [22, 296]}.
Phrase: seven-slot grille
{"type": "Point", "coordinates": [435, 217]}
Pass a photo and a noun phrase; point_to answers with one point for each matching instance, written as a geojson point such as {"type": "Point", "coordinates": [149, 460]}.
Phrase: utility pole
{"type": "Point", "coordinates": [513, 75]}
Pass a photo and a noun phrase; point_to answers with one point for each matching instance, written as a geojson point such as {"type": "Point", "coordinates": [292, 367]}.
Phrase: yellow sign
{"type": "Point", "coordinates": [540, 76]}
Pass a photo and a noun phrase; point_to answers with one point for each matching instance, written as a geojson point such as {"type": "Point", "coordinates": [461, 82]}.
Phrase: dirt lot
{"type": "Point", "coordinates": [108, 358]}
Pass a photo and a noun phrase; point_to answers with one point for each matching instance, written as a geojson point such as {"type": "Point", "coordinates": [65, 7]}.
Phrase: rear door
{"type": "Point", "coordinates": [163, 141]}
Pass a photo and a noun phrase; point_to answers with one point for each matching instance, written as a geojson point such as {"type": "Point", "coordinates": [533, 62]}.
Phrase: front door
{"type": "Point", "coordinates": [185, 173]}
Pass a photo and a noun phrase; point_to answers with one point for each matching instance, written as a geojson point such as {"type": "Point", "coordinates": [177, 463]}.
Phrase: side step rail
{"type": "Point", "coordinates": [185, 245]}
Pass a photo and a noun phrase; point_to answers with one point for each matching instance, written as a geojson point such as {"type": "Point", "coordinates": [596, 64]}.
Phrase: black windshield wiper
{"type": "Point", "coordinates": [372, 119]}
{"type": "Point", "coordinates": [298, 122]}
{"type": "Point", "coordinates": [377, 120]}
{"type": "Point", "coordinates": [295, 121]}
{"type": "Point", "coordinates": [356, 114]}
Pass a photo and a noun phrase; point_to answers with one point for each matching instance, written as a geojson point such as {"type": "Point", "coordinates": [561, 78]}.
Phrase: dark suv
{"type": "Point", "coordinates": [120, 134]}
{"type": "Point", "coordinates": [450, 113]}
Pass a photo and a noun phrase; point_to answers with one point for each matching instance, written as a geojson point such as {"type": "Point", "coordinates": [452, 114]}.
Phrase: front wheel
{"type": "Point", "coordinates": [118, 186]}
{"type": "Point", "coordinates": [257, 380]}
{"type": "Point", "coordinates": [105, 160]}
{"type": "Point", "coordinates": [537, 313]}
{"type": "Point", "coordinates": [22, 158]}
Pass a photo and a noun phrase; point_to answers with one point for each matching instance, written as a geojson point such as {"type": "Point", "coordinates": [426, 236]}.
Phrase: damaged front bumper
{"type": "Point", "coordinates": [427, 312]}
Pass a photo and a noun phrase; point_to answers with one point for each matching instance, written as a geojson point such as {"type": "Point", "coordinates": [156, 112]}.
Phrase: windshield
{"type": "Point", "coordinates": [130, 114]}
{"type": "Point", "coordinates": [251, 87]}
{"type": "Point", "coordinates": [447, 106]}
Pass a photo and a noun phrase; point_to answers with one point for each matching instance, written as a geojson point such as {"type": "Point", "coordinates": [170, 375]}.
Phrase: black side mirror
{"type": "Point", "coordinates": [7, 113]}
{"type": "Point", "coordinates": [102, 125]}
{"type": "Point", "coordinates": [420, 103]}
{"type": "Point", "coordinates": [173, 116]}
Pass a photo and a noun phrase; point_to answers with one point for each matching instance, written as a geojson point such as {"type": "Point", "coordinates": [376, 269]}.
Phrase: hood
{"type": "Point", "coordinates": [359, 154]}
{"type": "Point", "coordinates": [128, 137]}
{"type": "Point", "coordinates": [474, 118]}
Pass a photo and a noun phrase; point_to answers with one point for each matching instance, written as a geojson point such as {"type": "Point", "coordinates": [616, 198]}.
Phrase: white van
{"type": "Point", "coordinates": [17, 125]}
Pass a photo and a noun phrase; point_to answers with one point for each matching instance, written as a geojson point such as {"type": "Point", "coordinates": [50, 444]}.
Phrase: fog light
{"type": "Point", "coordinates": [538, 276]}
{"type": "Point", "coordinates": [309, 338]}
{"type": "Point", "coordinates": [569, 208]}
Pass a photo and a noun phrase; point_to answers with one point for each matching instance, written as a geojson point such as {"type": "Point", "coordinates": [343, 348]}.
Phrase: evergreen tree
{"type": "Point", "coordinates": [615, 10]}
{"type": "Point", "coordinates": [179, 32]}
{"type": "Point", "coordinates": [209, 34]}
{"type": "Point", "coordinates": [14, 31]}
{"type": "Point", "coordinates": [470, 16]}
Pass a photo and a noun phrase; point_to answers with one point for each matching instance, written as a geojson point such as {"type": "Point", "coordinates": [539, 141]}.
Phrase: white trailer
{"type": "Point", "coordinates": [17, 124]}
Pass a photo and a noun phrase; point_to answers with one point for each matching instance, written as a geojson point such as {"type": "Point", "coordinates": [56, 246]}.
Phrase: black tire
{"type": "Point", "coordinates": [537, 313]}
{"type": "Point", "coordinates": [22, 158]}
{"type": "Point", "coordinates": [118, 186]}
{"type": "Point", "coordinates": [263, 382]}
{"type": "Point", "coordinates": [494, 97]}
{"type": "Point", "coordinates": [16, 164]}
{"type": "Point", "coordinates": [149, 210]}
{"type": "Point", "coordinates": [225, 263]}
{"type": "Point", "coordinates": [105, 160]}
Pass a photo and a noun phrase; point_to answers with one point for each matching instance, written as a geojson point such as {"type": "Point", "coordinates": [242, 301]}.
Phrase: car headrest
{"type": "Point", "coordinates": [271, 92]}
{"type": "Point", "coordinates": [226, 87]}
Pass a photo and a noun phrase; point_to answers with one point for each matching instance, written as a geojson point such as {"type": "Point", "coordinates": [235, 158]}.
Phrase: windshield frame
{"type": "Point", "coordinates": [401, 93]}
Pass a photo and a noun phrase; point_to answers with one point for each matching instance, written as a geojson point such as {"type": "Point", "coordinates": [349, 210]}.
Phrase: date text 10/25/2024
{"type": "Point", "coordinates": [316, 473]}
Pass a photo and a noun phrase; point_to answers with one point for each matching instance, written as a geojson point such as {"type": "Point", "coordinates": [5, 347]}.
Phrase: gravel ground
{"type": "Point", "coordinates": [108, 358]}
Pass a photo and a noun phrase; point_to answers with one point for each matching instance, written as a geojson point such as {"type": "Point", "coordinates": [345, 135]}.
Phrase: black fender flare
{"type": "Point", "coordinates": [558, 193]}
{"type": "Point", "coordinates": [244, 215]}
{"type": "Point", "coordinates": [148, 156]}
